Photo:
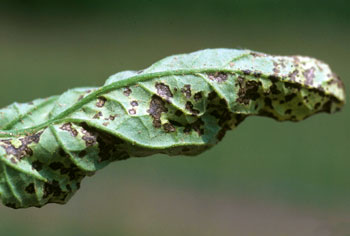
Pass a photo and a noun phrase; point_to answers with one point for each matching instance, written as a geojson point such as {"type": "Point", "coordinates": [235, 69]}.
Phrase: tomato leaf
{"type": "Point", "coordinates": [181, 105]}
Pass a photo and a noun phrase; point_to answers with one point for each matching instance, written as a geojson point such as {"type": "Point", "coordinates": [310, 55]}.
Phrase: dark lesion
{"type": "Point", "coordinates": [248, 90]}
{"type": "Point", "coordinates": [23, 149]}
{"type": "Point", "coordinates": [164, 91]}
{"type": "Point", "coordinates": [156, 108]}
{"type": "Point", "coordinates": [219, 77]}
{"type": "Point", "coordinates": [226, 119]}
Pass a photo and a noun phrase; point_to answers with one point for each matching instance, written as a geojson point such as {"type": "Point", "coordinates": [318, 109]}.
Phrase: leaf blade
{"type": "Point", "coordinates": [183, 104]}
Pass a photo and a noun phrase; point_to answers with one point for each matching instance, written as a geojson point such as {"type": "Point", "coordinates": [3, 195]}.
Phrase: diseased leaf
{"type": "Point", "coordinates": [181, 105]}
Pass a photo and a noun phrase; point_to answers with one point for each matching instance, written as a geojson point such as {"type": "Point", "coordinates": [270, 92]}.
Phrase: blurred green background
{"type": "Point", "coordinates": [264, 178]}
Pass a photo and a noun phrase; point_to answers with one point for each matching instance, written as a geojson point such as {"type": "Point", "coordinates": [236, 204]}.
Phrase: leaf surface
{"type": "Point", "coordinates": [181, 105]}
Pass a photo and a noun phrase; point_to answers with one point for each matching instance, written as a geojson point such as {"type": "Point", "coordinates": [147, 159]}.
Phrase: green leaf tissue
{"type": "Point", "coordinates": [180, 105]}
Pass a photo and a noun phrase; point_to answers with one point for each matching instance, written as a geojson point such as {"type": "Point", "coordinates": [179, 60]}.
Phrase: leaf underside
{"type": "Point", "coordinates": [181, 105]}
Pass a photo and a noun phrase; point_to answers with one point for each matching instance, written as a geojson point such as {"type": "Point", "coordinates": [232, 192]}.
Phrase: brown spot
{"type": "Point", "coordinates": [218, 77]}
{"type": "Point", "coordinates": [110, 147]}
{"type": "Point", "coordinates": [23, 150]}
{"type": "Point", "coordinates": [309, 74]}
{"type": "Point", "coordinates": [198, 96]}
{"type": "Point", "coordinates": [276, 70]}
{"type": "Point", "coordinates": [13, 160]}
{"type": "Point", "coordinates": [317, 105]}
{"type": "Point", "coordinates": [218, 108]}
{"type": "Point", "coordinates": [30, 188]}
{"type": "Point", "coordinates": [105, 123]}
{"type": "Point", "coordinates": [187, 91]}
{"type": "Point", "coordinates": [189, 107]}
{"type": "Point", "coordinates": [82, 154]}
{"type": "Point", "coordinates": [80, 97]}
{"type": "Point", "coordinates": [274, 89]}
{"type": "Point", "coordinates": [274, 78]}
{"type": "Point", "coordinates": [268, 114]}
{"type": "Point", "coordinates": [282, 62]}
{"type": "Point", "coordinates": [97, 115]}
{"type": "Point", "coordinates": [175, 123]}
{"type": "Point", "coordinates": [169, 128]}
{"type": "Point", "coordinates": [292, 85]}
{"type": "Point", "coordinates": [62, 153]}
{"type": "Point", "coordinates": [132, 111]}
{"type": "Point", "coordinates": [156, 107]}
{"type": "Point", "coordinates": [320, 88]}
{"type": "Point", "coordinates": [73, 172]}
{"type": "Point", "coordinates": [268, 102]}
{"type": "Point", "coordinates": [37, 165]}
{"type": "Point", "coordinates": [290, 97]}
{"type": "Point", "coordinates": [163, 90]}
{"type": "Point", "coordinates": [56, 165]}
{"type": "Point", "coordinates": [112, 117]}
{"type": "Point", "coordinates": [288, 112]}
{"type": "Point", "coordinates": [248, 90]}
{"type": "Point", "coordinates": [101, 101]}
{"type": "Point", "coordinates": [127, 91]}
{"type": "Point", "coordinates": [178, 113]}
{"type": "Point", "coordinates": [336, 80]}
{"type": "Point", "coordinates": [257, 74]}
{"type": "Point", "coordinates": [256, 54]}
{"type": "Point", "coordinates": [47, 190]}
{"type": "Point", "coordinates": [88, 137]}
{"type": "Point", "coordinates": [52, 189]}
{"type": "Point", "coordinates": [196, 126]}
{"type": "Point", "coordinates": [246, 72]}
{"type": "Point", "coordinates": [293, 75]}
{"type": "Point", "coordinates": [222, 132]}
{"type": "Point", "coordinates": [212, 95]}
{"type": "Point", "coordinates": [134, 103]}
{"type": "Point", "coordinates": [68, 127]}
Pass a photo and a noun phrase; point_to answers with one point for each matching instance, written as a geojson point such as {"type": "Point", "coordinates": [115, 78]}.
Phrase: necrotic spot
{"type": "Point", "coordinates": [218, 77]}
{"type": "Point", "coordinates": [127, 91]}
{"type": "Point", "coordinates": [156, 107]}
{"type": "Point", "coordinates": [101, 101]}
{"type": "Point", "coordinates": [189, 107]}
{"type": "Point", "coordinates": [198, 96]}
{"type": "Point", "coordinates": [288, 112]}
{"type": "Point", "coordinates": [168, 128]}
{"type": "Point", "coordinates": [56, 165]}
{"type": "Point", "coordinates": [163, 90]}
{"type": "Point", "coordinates": [186, 90]}
{"type": "Point", "coordinates": [30, 188]}
{"type": "Point", "coordinates": [132, 111]}
{"type": "Point", "coordinates": [134, 103]}
{"type": "Point", "coordinates": [68, 127]}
